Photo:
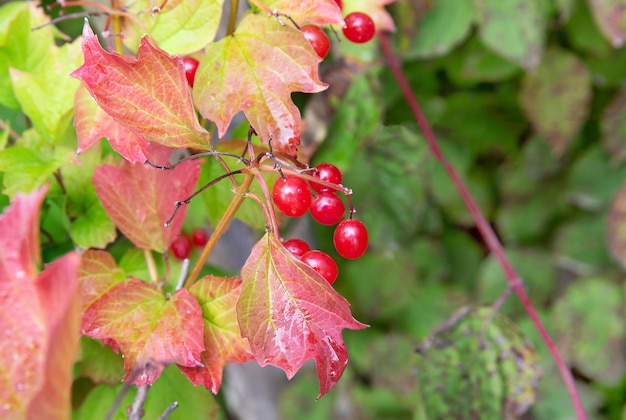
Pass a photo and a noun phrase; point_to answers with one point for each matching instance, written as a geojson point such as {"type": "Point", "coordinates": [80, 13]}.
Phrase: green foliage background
{"type": "Point", "coordinates": [526, 97]}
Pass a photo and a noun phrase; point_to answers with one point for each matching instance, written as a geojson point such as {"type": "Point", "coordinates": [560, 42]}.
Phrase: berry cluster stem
{"type": "Point", "coordinates": [487, 233]}
{"type": "Point", "coordinates": [221, 227]}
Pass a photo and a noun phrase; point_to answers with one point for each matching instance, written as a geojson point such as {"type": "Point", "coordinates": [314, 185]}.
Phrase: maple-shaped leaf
{"type": "Point", "coordinates": [317, 12]}
{"type": "Point", "coordinates": [151, 330]}
{"type": "Point", "coordinates": [375, 9]}
{"type": "Point", "coordinates": [139, 199]}
{"type": "Point", "coordinates": [98, 273]}
{"type": "Point", "coordinates": [290, 314]}
{"type": "Point", "coordinates": [92, 123]}
{"type": "Point", "coordinates": [222, 339]}
{"type": "Point", "coordinates": [255, 71]}
{"type": "Point", "coordinates": [149, 95]}
{"type": "Point", "coordinates": [38, 318]}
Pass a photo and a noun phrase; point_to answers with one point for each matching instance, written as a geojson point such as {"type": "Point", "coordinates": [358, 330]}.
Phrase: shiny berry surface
{"type": "Point", "coordinates": [322, 263]}
{"type": "Point", "coordinates": [318, 40]}
{"type": "Point", "coordinates": [292, 196]}
{"type": "Point", "coordinates": [326, 172]}
{"type": "Point", "coordinates": [181, 247]}
{"type": "Point", "coordinates": [191, 66]}
{"type": "Point", "coordinates": [350, 239]}
{"type": "Point", "coordinates": [360, 28]}
{"type": "Point", "coordinates": [199, 237]}
{"type": "Point", "coordinates": [297, 246]}
{"type": "Point", "coordinates": [327, 208]}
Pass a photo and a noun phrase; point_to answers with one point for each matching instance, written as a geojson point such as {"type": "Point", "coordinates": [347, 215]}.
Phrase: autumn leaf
{"type": "Point", "coordinates": [38, 318]}
{"type": "Point", "coordinates": [222, 339]}
{"type": "Point", "coordinates": [255, 71]}
{"type": "Point", "coordinates": [375, 9]}
{"type": "Point", "coordinates": [98, 273]}
{"type": "Point", "coordinates": [92, 123]}
{"type": "Point", "coordinates": [150, 329]}
{"type": "Point", "coordinates": [290, 314]}
{"type": "Point", "coordinates": [149, 95]}
{"type": "Point", "coordinates": [317, 12]}
{"type": "Point", "coordinates": [139, 199]}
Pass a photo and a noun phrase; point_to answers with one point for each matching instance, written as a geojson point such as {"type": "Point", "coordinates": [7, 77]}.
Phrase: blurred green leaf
{"type": "Point", "coordinates": [608, 15]}
{"type": "Point", "coordinates": [99, 362]}
{"type": "Point", "coordinates": [572, 242]}
{"type": "Point", "coordinates": [444, 26]}
{"type": "Point", "coordinates": [583, 33]}
{"type": "Point", "coordinates": [514, 29]}
{"type": "Point", "coordinates": [556, 98]}
{"type": "Point", "coordinates": [589, 321]}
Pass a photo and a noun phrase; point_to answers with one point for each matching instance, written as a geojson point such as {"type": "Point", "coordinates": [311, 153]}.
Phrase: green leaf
{"type": "Point", "coordinates": [583, 33]}
{"type": "Point", "coordinates": [609, 17]}
{"type": "Point", "coordinates": [444, 26]}
{"type": "Point", "coordinates": [194, 403]}
{"type": "Point", "coordinates": [556, 98]}
{"type": "Point", "coordinates": [613, 126]}
{"type": "Point", "coordinates": [26, 170]}
{"type": "Point", "coordinates": [99, 362]}
{"type": "Point", "coordinates": [514, 29]}
{"type": "Point", "coordinates": [20, 47]}
{"type": "Point", "coordinates": [47, 97]}
{"type": "Point", "coordinates": [356, 118]}
{"type": "Point", "coordinates": [477, 361]}
{"type": "Point", "coordinates": [93, 228]}
{"type": "Point", "coordinates": [474, 63]}
{"type": "Point", "coordinates": [589, 321]}
{"type": "Point", "coordinates": [181, 27]}
{"type": "Point", "coordinates": [582, 241]}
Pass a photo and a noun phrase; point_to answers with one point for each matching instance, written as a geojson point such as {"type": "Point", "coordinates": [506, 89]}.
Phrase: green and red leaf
{"type": "Point", "coordinates": [290, 314]}
{"type": "Point", "coordinates": [38, 316]}
{"type": "Point", "coordinates": [255, 71]}
{"type": "Point", "coordinates": [149, 95]}
{"type": "Point", "coordinates": [140, 198]}
{"type": "Point", "coordinates": [151, 330]}
{"type": "Point", "coordinates": [317, 12]}
{"type": "Point", "coordinates": [222, 338]}
{"type": "Point", "coordinates": [98, 273]}
{"type": "Point", "coordinates": [92, 123]}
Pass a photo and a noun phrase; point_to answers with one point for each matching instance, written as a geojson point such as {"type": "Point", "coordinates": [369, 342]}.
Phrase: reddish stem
{"type": "Point", "coordinates": [489, 236]}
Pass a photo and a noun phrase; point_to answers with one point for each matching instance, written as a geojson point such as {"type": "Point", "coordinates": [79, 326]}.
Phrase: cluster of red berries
{"type": "Point", "coordinates": [181, 247]}
{"type": "Point", "coordinates": [292, 195]}
{"type": "Point", "coordinates": [360, 28]}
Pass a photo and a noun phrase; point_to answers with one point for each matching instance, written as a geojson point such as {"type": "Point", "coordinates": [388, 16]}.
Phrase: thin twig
{"type": "Point", "coordinates": [487, 233]}
{"type": "Point", "coordinates": [136, 409]}
{"type": "Point", "coordinates": [232, 17]}
{"type": "Point", "coordinates": [168, 411]}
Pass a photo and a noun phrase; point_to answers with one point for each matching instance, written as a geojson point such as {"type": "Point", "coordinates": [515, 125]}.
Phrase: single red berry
{"type": "Point", "coordinates": [191, 66]}
{"type": "Point", "coordinates": [359, 27]}
{"type": "Point", "coordinates": [292, 196]}
{"type": "Point", "coordinates": [322, 263]}
{"type": "Point", "coordinates": [350, 239]}
{"type": "Point", "coordinates": [318, 39]}
{"type": "Point", "coordinates": [326, 172]}
{"type": "Point", "coordinates": [199, 237]}
{"type": "Point", "coordinates": [181, 247]}
{"type": "Point", "coordinates": [297, 246]}
{"type": "Point", "coordinates": [327, 208]}
{"type": "Point", "coordinates": [340, 4]}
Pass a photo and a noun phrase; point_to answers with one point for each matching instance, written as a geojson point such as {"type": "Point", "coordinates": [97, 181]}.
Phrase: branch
{"type": "Point", "coordinates": [487, 233]}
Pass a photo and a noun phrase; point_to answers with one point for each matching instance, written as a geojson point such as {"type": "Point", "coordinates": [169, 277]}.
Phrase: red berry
{"type": "Point", "coordinates": [327, 208]}
{"type": "Point", "coordinates": [191, 66]}
{"type": "Point", "coordinates": [350, 239]}
{"type": "Point", "coordinates": [322, 263]}
{"type": "Point", "coordinates": [292, 196]}
{"type": "Point", "coordinates": [297, 246]}
{"type": "Point", "coordinates": [326, 172]}
{"type": "Point", "coordinates": [318, 39]}
{"type": "Point", "coordinates": [199, 237]}
{"type": "Point", "coordinates": [340, 4]}
{"type": "Point", "coordinates": [359, 28]}
{"type": "Point", "coordinates": [181, 247]}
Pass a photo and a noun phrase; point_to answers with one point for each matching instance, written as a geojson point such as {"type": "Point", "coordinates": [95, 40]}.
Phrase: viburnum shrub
{"type": "Point", "coordinates": [142, 91]}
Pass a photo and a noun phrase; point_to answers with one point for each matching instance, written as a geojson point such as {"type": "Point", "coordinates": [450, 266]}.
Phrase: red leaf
{"type": "Point", "coordinates": [150, 329]}
{"type": "Point", "coordinates": [148, 95]}
{"type": "Point", "coordinates": [92, 123]}
{"type": "Point", "coordinates": [255, 71]}
{"type": "Point", "coordinates": [317, 12]}
{"type": "Point", "coordinates": [290, 314]}
{"type": "Point", "coordinates": [139, 199]}
{"type": "Point", "coordinates": [38, 319]}
{"type": "Point", "coordinates": [222, 339]}
{"type": "Point", "coordinates": [98, 273]}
